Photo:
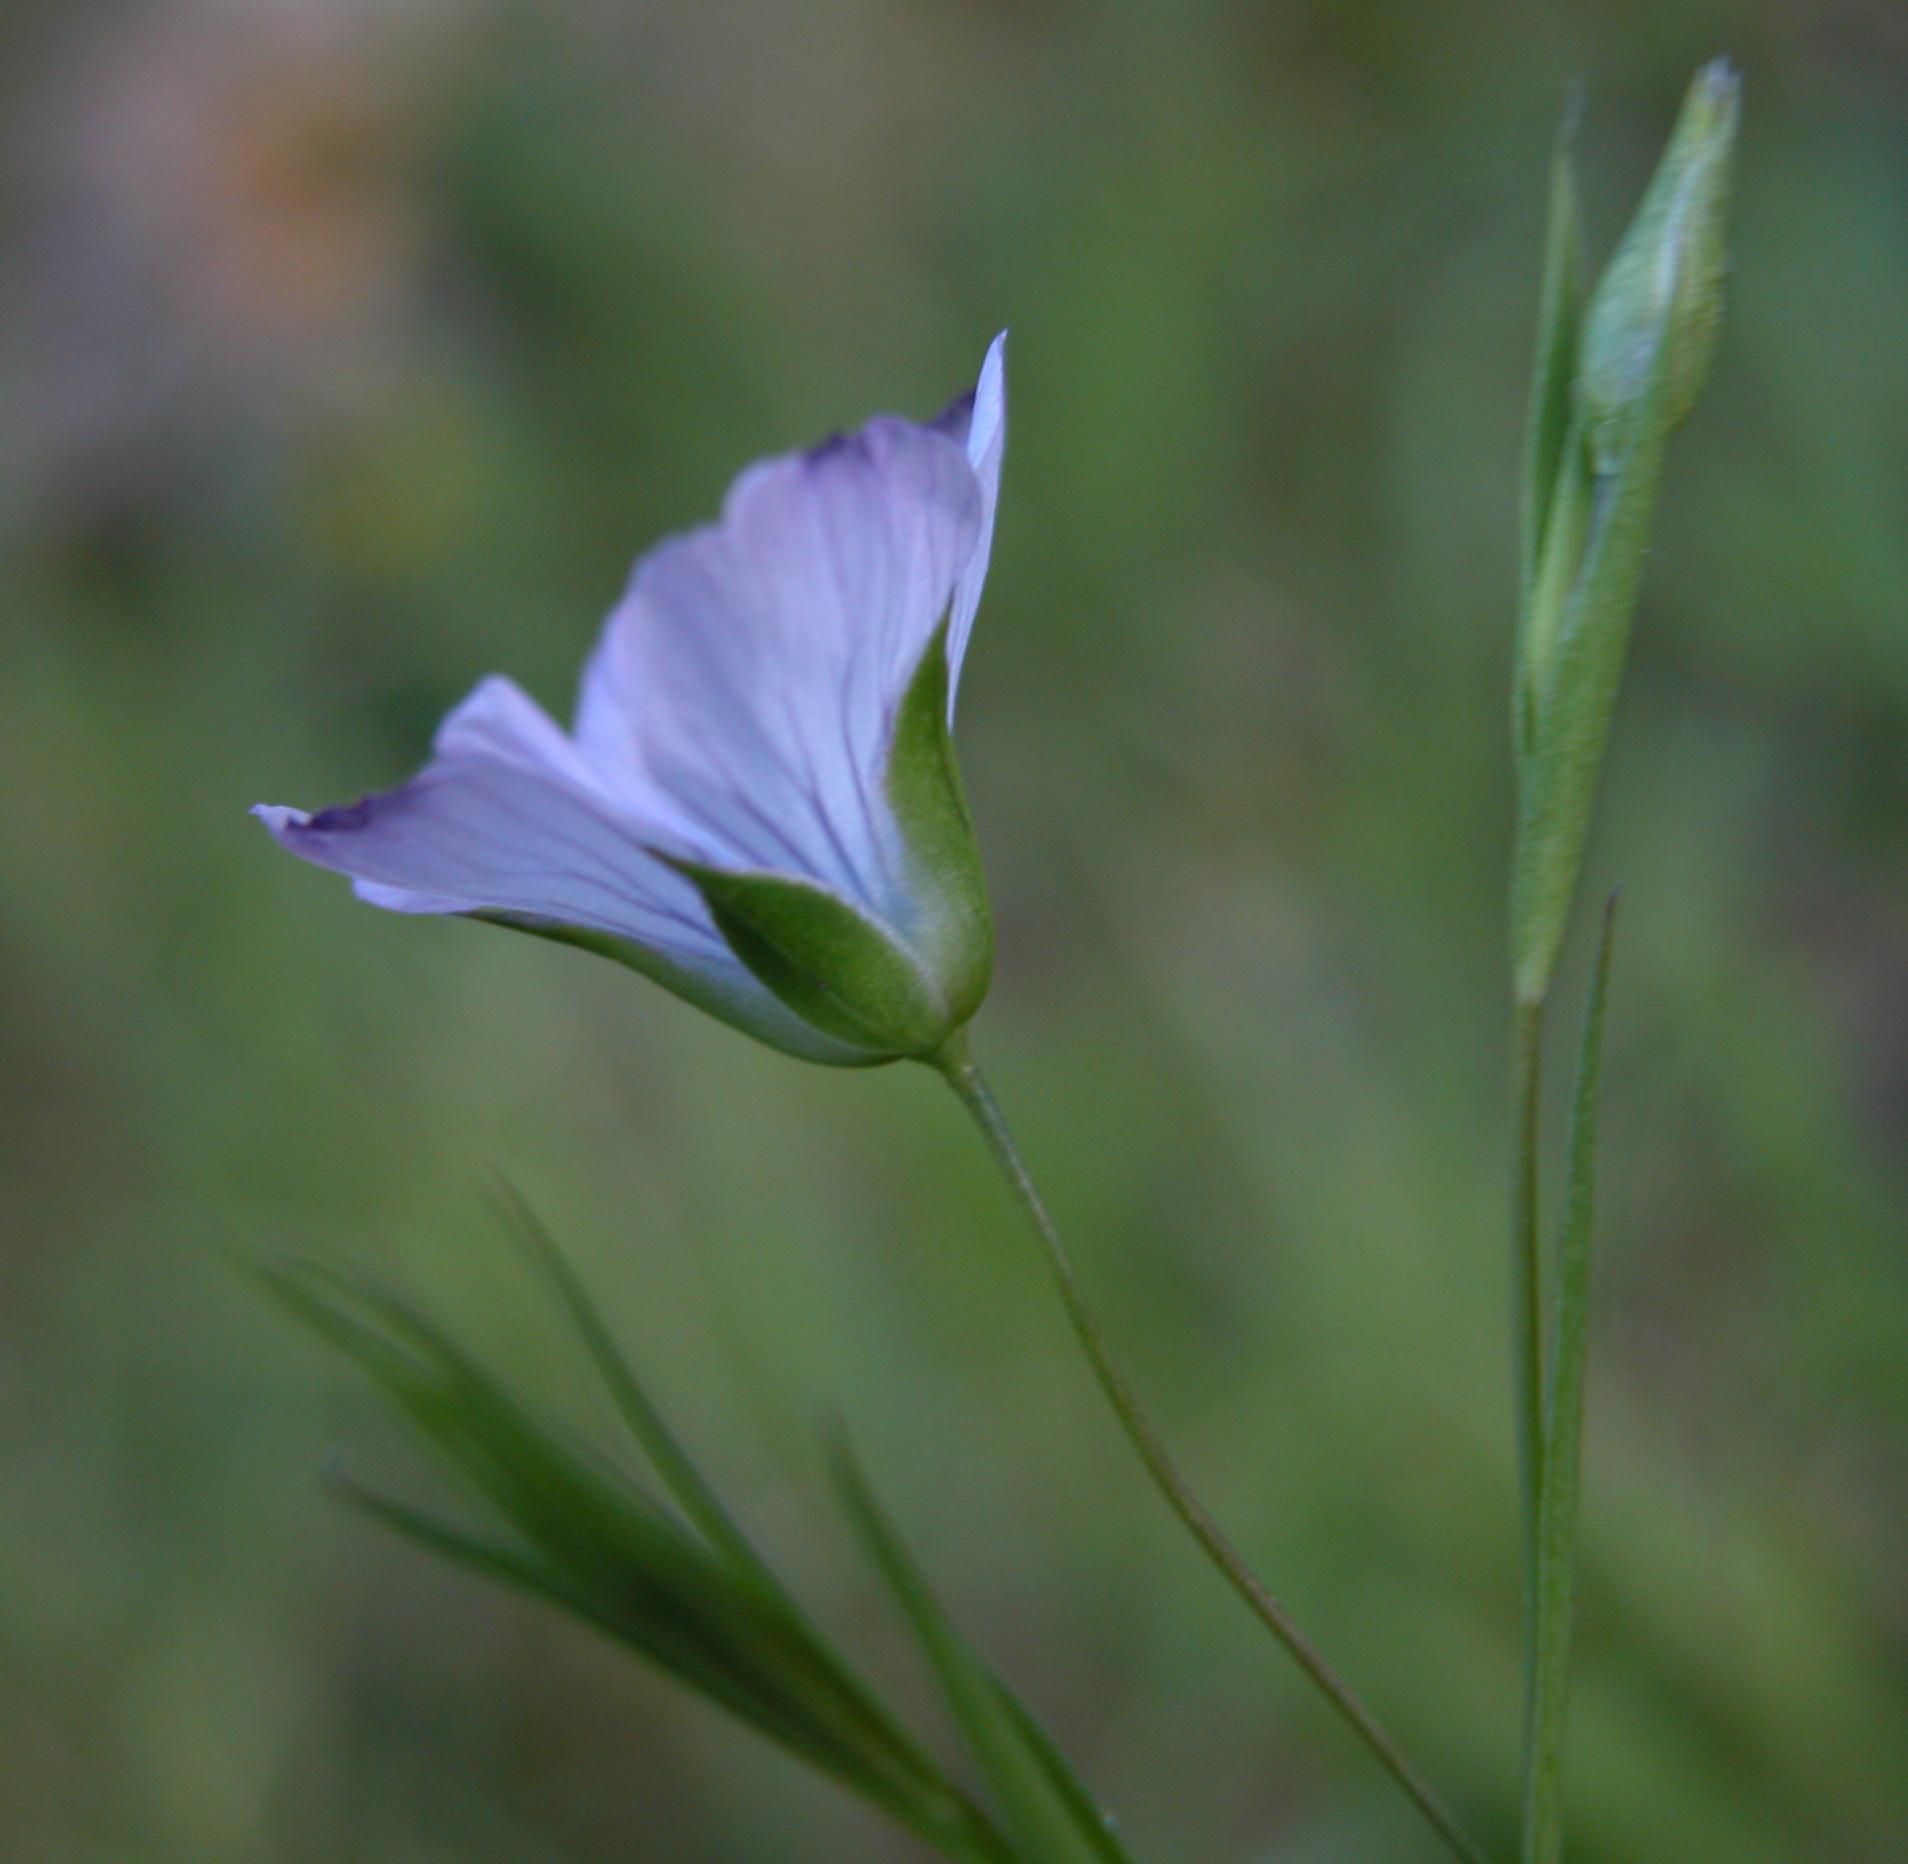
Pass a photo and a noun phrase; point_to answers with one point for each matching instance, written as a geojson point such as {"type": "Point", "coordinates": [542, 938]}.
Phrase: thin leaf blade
{"type": "Point", "coordinates": [1560, 304]}
{"type": "Point", "coordinates": [593, 1544]}
{"type": "Point", "coordinates": [639, 1412]}
{"type": "Point", "coordinates": [1050, 1816]}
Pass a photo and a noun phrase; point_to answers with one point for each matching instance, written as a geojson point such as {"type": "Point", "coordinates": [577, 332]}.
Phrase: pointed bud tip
{"type": "Point", "coordinates": [1661, 295]}
{"type": "Point", "coordinates": [1712, 109]}
{"type": "Point", "coordinates": [1576, 102]}
{"type": "Point", "coordinates": [1718, 84]}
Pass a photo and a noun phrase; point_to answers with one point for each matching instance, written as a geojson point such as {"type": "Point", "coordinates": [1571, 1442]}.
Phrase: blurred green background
{"type": "Point", "coordinates": [352, 351]}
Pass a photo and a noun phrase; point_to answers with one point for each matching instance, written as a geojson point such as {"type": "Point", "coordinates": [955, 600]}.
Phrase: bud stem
{"type": "Point", "coordinates": [958, 1068]}
{"type": "Point", "coordinates": [1528, 1297]}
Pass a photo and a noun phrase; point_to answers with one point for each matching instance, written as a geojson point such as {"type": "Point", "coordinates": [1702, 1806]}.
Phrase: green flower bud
{"type": "Point", "coordinates": [1648, 338]}
{"type": "Point", "coordinates": [1665, 284]}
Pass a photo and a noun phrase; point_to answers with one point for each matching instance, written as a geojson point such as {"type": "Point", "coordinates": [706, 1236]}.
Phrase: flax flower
{"type": "Point", "coordinates": [757, 804]}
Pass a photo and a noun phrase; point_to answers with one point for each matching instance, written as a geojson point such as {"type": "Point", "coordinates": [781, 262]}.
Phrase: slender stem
{"type": "Point", "coordinates": [1527, 1309]}
{"type": "Point", "coordinates": [1528, 1301]}
{"type": "Point", "coordinates": [1554, 1588]}
{"type": "Point", "coordinates": [961, 1073]}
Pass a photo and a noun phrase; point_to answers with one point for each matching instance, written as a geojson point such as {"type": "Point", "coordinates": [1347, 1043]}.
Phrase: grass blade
{"type": "Point", "coordinates": [593, 1543]}
{"type": "Point", "coordinates": [461, 1546]}
{"type": "Point", "coordinates": [1049, 1815]}
{"type": "Point", "coordinates": [1559, 331]}
{"type": "Point", "coordinates": [644, 1419]}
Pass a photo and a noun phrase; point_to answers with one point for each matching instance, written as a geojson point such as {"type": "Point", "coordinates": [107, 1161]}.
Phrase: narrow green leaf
{"type": "Point", "coordinates": [827, 960]}
{"type": "Point", "coordinates": [593, 1543]}
{"type": "Point", "coordinates": [609, 1545]}
{"type": "Point", "coordinates": [1093, 1827]}
{"type": "Point", "coordinates": [1049, 1816]}
{"type": "Point", "coordinates": [637, 1409]}
{"type": "Point", "coordinates": [954, 927]}
{"type": "Point", "coordinates": [1562, 1468]}
{"type": "Point", "coordinates": [1559, 329]}
{"type": "Point", "coordinates": [697, 1498]}
{"type": "Point", "coordinates": [1547, 597]}
{"type": "Point", "coordinates": [462, 1546]}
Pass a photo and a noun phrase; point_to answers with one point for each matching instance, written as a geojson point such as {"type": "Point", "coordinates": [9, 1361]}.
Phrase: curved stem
{"type": "Point", "coordinates": [958, 1068]}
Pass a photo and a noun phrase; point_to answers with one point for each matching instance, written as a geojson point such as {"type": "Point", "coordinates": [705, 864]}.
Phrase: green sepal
{"type": "Point", "coordinates": [1665, 283]}
{"type": "Point", "coordinates": [774, 1024]}
{"type": "Point", "coordinates": [953, 927]}
{"type": "Point", "coordinates": [1049, 1815]}
{"type": "Point", "coordinates": [827, 960]}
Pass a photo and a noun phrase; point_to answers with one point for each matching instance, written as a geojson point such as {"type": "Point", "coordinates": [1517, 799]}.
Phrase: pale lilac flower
{"type": "Point", "coordinates": [757, 804]}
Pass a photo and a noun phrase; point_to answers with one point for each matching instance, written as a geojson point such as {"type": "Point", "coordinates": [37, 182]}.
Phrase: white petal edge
{"type": "Point", "coordinates": [983, 436]}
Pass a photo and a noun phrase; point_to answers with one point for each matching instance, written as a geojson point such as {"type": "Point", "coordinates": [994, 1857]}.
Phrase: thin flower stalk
{"type": "Point", "coordinates": [958, 1067]}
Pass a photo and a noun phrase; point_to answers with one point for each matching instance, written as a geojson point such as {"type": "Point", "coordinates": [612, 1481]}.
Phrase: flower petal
{"type": "Point", "coordinates": [744, 691]}
{"type": "Point", "coordinates": [507, 820]}
{"type": "Point", "coordinates": [978, 423]}
{"type": "Point", "coordinates": [504, 818]}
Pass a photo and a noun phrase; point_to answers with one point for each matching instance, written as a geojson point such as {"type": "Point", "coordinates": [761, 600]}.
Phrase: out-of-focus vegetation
{"type": "Point", "coordinates": [351, 352]}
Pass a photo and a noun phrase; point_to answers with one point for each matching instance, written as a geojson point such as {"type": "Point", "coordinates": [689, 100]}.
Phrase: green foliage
{"type": "Point", "coordinates": [1553, 391]}
{"type": "Point", "coordinates": [694, 1596]}
{"type": "Point", "coordinates": [645, 1421]}
{"type": "Point", "coordinates": [1560, 775]}
{"type": "Point", "coordinates": [585, 1538]}
{"type": "Point", "coordinates": [1048, 1813]}
{"type": "Point", "coordinates": [1555, 500]}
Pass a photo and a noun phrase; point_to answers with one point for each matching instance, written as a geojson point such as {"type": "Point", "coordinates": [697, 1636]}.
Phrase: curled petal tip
{"type": "Point", "coordinates": [278, 818]}
{"type": "Point", "coordinates": [292, 825]}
